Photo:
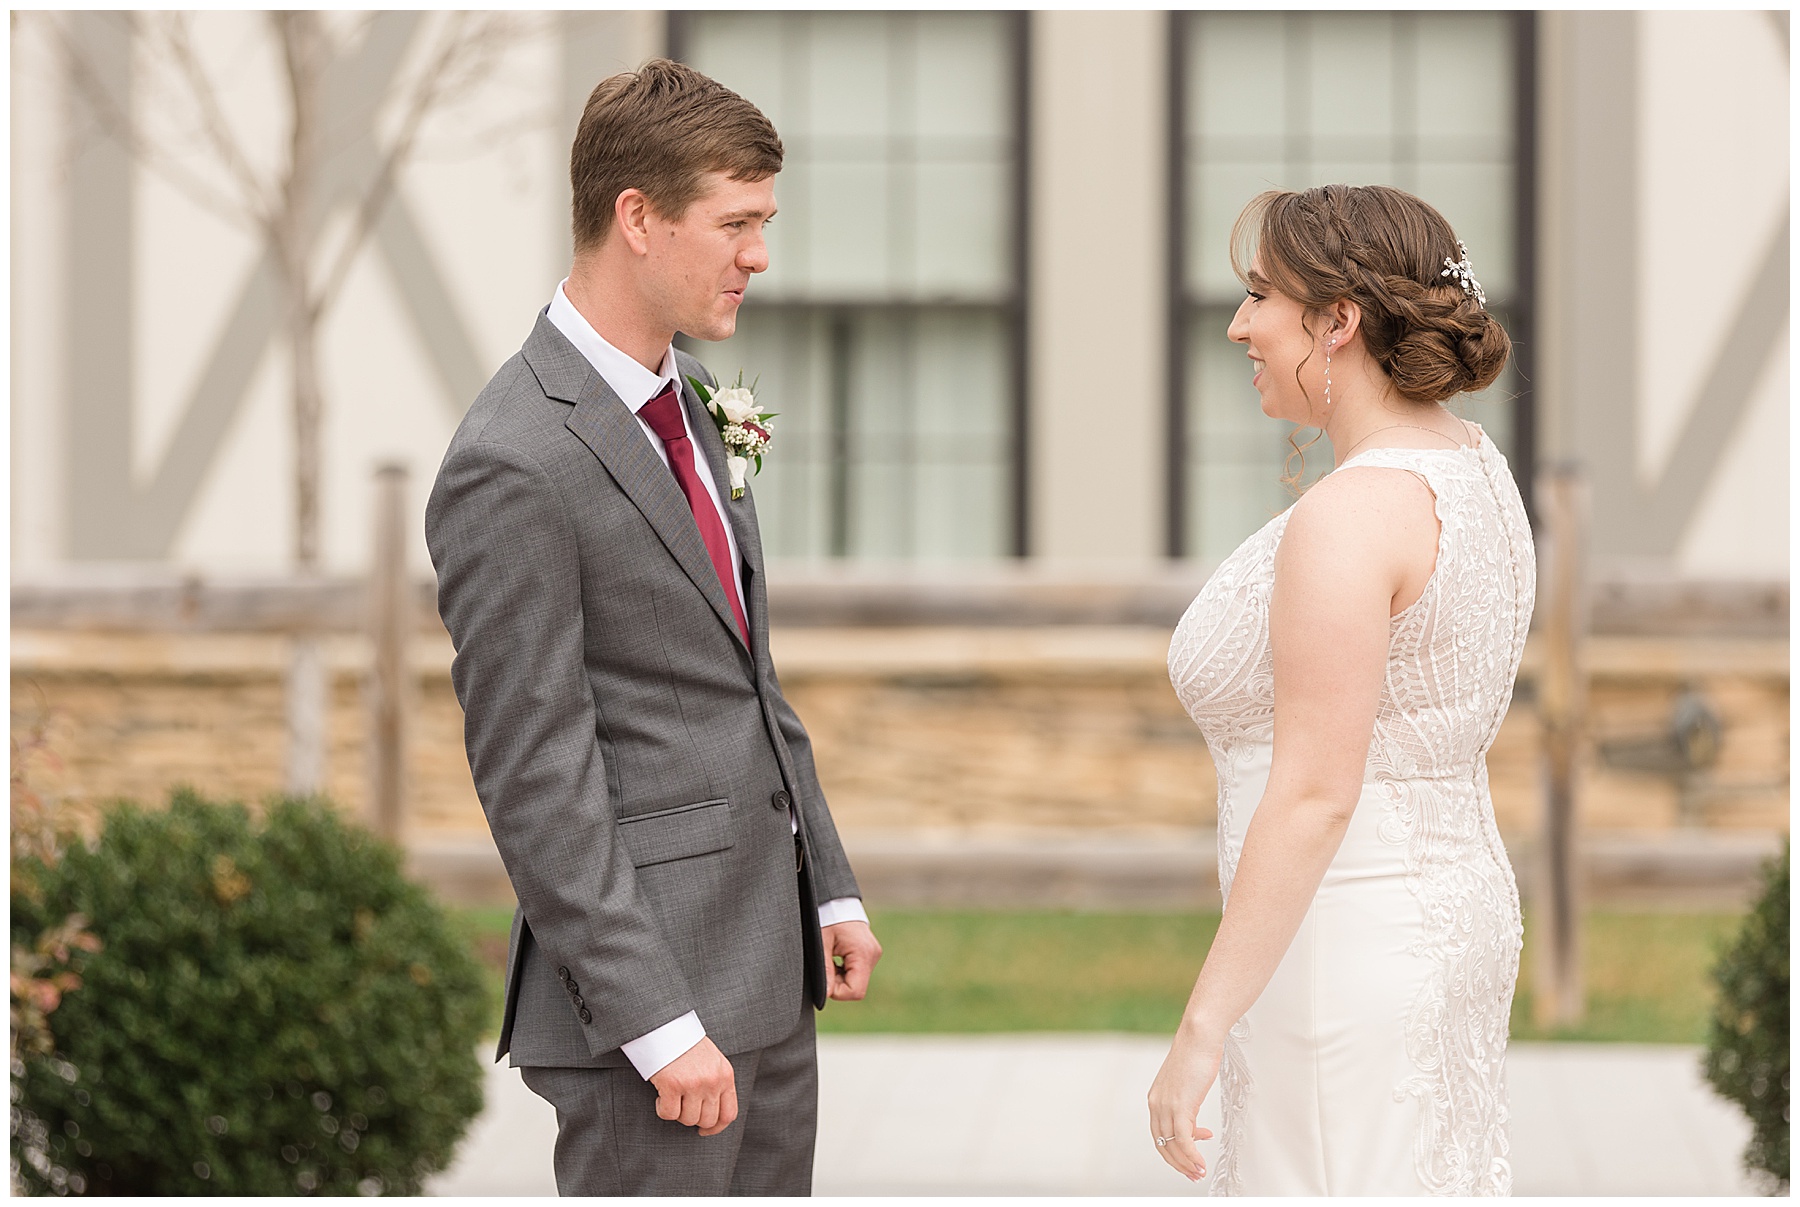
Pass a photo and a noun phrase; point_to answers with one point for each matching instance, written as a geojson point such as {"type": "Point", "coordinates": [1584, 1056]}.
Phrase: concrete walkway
{"type": "Point", "coordinates": [1063, 1114]}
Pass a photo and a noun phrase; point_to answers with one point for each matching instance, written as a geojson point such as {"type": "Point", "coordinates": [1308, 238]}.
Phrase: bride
{"type": "Point", "coordinates": [1349, 666]}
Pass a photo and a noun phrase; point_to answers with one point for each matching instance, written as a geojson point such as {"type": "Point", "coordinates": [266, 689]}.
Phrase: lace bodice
{"type": "Point", "coordinates": [1452, 655]}
{"type": "Point", "coordinates": [1425, 812]}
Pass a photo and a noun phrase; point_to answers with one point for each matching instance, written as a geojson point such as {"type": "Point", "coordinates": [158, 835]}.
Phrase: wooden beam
{"type": "Point", "coordinates": [1562, 700]}
{"type": "Point", "coordinates": [158, 599]}
{"type": "Point", "coordinates": [390, 627]}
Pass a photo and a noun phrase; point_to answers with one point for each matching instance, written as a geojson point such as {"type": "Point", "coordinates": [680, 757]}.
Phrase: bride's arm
{"type": "Point", "coordinates": [1356, 545]}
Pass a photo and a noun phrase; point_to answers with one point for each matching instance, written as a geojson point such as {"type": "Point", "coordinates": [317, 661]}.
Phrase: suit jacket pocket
{"type": "Point", "coordinates": [678, 833]}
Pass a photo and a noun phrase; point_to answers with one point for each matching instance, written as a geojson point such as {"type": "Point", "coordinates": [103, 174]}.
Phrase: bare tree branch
{"type": "Point", "coordinates": [466, 53]}
{"type": "Point", "coordinates": [473, 144]}
{"type": "Point", "coordinates": [118, 124]}
{"type": "Point", "coordinates": [291, 208]}
{"type": "Point", "coordinates": [257, 199]}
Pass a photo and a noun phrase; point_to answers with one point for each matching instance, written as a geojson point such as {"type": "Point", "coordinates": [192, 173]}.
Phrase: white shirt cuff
{"type": "Point", "coordinates": [842, 909]}
{"type": "Point", "coordinates": [649, 1053]}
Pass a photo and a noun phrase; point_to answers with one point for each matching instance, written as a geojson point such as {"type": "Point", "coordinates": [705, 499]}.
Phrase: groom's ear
{"type": "Point", "coordinates": [631, 218]}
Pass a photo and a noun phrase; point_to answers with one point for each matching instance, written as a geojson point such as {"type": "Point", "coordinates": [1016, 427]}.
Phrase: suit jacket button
{"type": "Point", "coordinates": [562, 974]}
{"type": "Point", "coordinates": [586, 1016]}
{"type": "Point", "coordinates": [781, 800]}
{"type": "Point", "coordinates": [572, 987]}
{"type": "Point", "coordinates": [578, 1000]}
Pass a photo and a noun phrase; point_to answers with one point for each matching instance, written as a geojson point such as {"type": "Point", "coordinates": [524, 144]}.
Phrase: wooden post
{"type": "Point", "coordinates": [390, 623]}
{"type": "Point", "coordinates": [1561, 999]}
{"type": "Point", "coordinates": [308, 712]}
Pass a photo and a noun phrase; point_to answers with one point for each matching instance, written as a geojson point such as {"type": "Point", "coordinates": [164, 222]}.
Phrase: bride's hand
{"type": "Point", "coordinates": [1181, 1085]}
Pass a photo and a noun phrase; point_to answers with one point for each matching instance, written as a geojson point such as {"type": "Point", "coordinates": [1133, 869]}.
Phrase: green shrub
{"type": "Point", "coordinates": [274, 1010]}
{"type": "Point", "coordinates": [1747, 1053]}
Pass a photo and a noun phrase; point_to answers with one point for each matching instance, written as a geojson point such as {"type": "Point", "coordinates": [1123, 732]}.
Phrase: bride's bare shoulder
{"type": "Point", "coordinates": [1352, 492]}
{"type": "Point", "coordinates": [1364, 508]}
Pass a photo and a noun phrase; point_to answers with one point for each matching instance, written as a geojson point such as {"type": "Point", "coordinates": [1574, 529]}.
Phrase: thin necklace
{"type": "Point", "coordinates": [1415, 426]}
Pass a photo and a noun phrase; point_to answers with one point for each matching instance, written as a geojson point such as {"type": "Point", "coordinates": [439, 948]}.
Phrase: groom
{"type": "Point", "coordinates": [684, 902]}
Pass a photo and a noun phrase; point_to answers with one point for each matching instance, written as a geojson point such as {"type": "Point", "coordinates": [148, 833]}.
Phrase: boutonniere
{"type": "Point", "coordinates": [743, 426]}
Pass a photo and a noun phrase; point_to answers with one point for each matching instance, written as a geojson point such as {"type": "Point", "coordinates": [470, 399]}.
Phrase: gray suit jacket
{"type": "Point", "coordinates": [634, 758]}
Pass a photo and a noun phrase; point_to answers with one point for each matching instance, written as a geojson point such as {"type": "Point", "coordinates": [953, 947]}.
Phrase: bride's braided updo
{"type": "Point", "coordinates": [1384, 250]}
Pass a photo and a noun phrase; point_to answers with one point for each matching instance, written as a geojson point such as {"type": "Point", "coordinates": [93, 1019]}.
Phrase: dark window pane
{"type": "Point", "coordinates": [884, 329]}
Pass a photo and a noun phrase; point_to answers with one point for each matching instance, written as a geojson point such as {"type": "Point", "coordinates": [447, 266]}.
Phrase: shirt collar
{"type": "Point", "coordinates": [634, 384]}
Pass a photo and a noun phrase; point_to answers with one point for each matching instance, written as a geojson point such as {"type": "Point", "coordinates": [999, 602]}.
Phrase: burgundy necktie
{"type": "Point", "coordinates": [663, 414]}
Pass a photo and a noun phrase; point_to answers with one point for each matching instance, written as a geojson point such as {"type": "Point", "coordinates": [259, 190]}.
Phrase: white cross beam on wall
{"type": "Point", "coordinates": [1633, 518]}
{"type": "Point", "coordinates": [110, 516]}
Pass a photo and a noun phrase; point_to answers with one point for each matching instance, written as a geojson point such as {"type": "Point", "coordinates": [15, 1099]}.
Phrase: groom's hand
{"type": "Point", "coordinates": [697, 1089]}
{"type": "Point", "coordinates": [850, 955]}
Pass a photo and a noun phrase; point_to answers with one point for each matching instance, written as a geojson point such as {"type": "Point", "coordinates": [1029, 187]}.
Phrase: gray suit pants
{"type": "Point", "coordinates": [609, 1140]}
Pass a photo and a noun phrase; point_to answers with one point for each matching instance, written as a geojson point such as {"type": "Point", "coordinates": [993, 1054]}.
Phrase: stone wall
{"type": "Point", "coordinates": [1051, 728]}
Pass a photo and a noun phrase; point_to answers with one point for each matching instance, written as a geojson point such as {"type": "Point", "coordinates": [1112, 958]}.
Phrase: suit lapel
{"type": "Point", "coordinates": [603, 422]}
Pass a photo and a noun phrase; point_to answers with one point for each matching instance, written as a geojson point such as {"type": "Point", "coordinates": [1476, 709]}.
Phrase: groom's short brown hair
{"type": "Point", "coordinates": [660, 129]}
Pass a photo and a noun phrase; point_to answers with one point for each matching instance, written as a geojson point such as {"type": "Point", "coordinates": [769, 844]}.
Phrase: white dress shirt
{"type": "Point", "coordinates": [636, 386]}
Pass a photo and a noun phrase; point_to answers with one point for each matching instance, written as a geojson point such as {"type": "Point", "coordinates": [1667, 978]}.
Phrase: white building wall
{"type": "Point", "coordinates": [36, 432]}
{"type": "Point", "coordinates": [479, 188]}
{"type": "Point", "coordinates": [487, 190]}
{"type": "Point", "coordinates": [1741, 526]}
{"type": "Point", "coordinates": [1664, 249]}
{"type": "Point", "coordinates": [1713, 171]}
{"type": "Point", "coordinates": [1098, 281]}
{"type": "Point", "coordinates": [1663, 285]}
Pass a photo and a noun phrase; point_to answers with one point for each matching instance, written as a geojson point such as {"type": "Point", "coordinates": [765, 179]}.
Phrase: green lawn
{"type": "Point", "coordinates": [956, 970]}
{"type": "Point", "coordinates": [1647, 977]}
{"type": "Point", "coordinates": [968, 971]}
{"type": "Point", "coordinates": [486, 928]}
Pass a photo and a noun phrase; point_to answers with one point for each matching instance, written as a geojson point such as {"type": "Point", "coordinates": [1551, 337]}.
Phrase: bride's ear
{"type": "Point", "coordinates": [1343, 319]}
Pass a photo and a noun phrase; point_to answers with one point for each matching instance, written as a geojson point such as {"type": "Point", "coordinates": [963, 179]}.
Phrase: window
{"type": "Point", "coordinates": [1426, 102]}
{"type": "Point", "coordinates": [887, 330]}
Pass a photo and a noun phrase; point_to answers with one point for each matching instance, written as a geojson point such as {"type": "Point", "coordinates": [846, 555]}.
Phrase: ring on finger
{"type": "Point", "coordinates": [1162, 1140]}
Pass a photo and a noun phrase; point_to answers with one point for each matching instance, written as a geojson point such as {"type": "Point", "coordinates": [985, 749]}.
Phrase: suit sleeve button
{"type": "Point", "coordinates": [578, 1000]}
{"type": "Point", "coordinates": [781, 800]}
{"type": "Point", "coordinates": [586, 1015]}
{"type": "Point", "coordinates": [562, 974]}
{"type": "Point", "coordinates": [572, 987]}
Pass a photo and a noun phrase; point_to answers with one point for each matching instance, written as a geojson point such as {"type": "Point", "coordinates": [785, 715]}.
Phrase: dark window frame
{"type": "Point", "coordinates": [1014, 309]}
{"type": "Point", "coordinates": [1522, 321]}
{"type": "Point", "coordinates": [1523, 326]}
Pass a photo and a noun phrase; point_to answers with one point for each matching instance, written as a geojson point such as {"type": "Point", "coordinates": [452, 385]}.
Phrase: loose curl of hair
{"type": "Point", "coordinates": [1383, 249]}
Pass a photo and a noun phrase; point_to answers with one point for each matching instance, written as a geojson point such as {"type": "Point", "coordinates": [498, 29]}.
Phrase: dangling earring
{"type": "Point", "coordinates": [1328, 347]}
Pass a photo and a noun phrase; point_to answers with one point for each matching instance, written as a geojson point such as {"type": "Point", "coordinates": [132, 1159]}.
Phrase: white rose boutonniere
{"type": "Point", "coordinates": [743, 426]}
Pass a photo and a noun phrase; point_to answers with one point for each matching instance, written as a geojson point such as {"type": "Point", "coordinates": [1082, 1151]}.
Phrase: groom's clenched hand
{"type": "Point", "coordinates": [854, 944]}
{"type": "Point", "coordinates": [697, 1089]}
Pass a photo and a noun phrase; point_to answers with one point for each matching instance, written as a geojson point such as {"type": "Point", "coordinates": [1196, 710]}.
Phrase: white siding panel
{"type": "Point", "coordinates": [1741, 524]}
{"type": "Point", "coordinates": [1713, 166]}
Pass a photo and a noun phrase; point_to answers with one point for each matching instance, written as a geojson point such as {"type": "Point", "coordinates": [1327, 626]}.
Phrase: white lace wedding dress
{"type": "Point", "coordinates": [1374, 1061]}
